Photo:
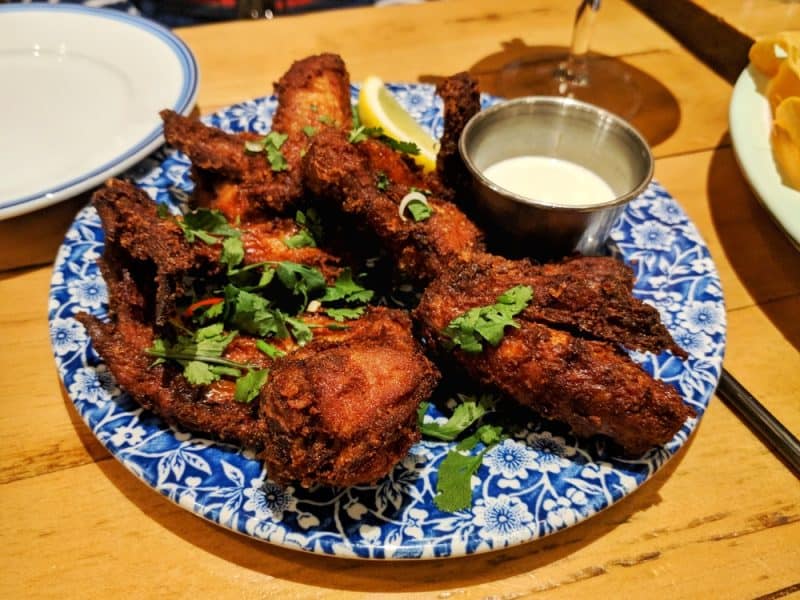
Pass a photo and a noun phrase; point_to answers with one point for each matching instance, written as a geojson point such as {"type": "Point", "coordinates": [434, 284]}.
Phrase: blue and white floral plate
{"type": "Point", "coordinates": [539, 482]}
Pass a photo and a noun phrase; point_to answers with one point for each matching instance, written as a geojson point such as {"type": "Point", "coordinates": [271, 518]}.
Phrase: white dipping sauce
{"type": "Point", "coordinates": [550, 180]}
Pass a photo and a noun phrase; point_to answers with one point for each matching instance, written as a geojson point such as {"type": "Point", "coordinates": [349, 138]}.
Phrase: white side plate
{"type": "Point", "coordinates": [82, 88]}
{"type": "Point", "coordinates": [751, 123]}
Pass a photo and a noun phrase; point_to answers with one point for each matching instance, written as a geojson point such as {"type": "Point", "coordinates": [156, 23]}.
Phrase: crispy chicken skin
{"type": "Point", "coordinates": [346, 174]}
{"type": "Point", "coordinates": [561, 362]}
{"type": "Point", "coordinates": [343, 411]}
{"type": "Point", "coordinates": [462, 100]}
{"type": "Point", "coordinates": [590, 296]}
{"type": "Point", "coordinates": [134, 233]}
{"type": "Point", "coordinates": [314, 92]}
{"type": "Point", "coordinates": [371, 374]}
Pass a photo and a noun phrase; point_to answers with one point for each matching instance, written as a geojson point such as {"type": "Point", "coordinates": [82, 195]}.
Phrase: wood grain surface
{"type": "Point", "coordinates": [721, 520]}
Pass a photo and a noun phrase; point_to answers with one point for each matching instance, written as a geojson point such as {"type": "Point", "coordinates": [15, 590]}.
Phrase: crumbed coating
{"type": "Point", "coordinates": [343, 412]}
{"type": "Point", "coordinates": [346, 174]}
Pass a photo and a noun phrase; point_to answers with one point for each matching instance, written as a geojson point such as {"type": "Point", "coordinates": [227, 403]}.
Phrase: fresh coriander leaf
{"type": "Point", "coordinates": [336, 327]}
{"type": "Point", "coordinates": [314, 108]}
{"type": "Point", "coordinates": [252, 313]}
{"type": "Point", "coordinates": [419, 210]}
{"type": "Point", "coordinates": [301, 239]}
{"type": "Point", "coordinates": [489, 435]}
{"type": "Point", "coordinates": [212, 312]}
{"type": "Point", "coordinates": [267, 275]}
{"type": "Point", "coordinates": [162, 210]}
{"type": "Point", "coordinates": [347, 290]}
{"type": "Point", "coordinates": [312, 222]}
{"type": "Point", "coordinates": [205, 224]}
{"type": "Point", "coordinates": [421, 410]}
{"type": "Point", "coordinates": [464, 415]}
{"type": "Point", "coordinates": [222, 370]}
{"type": "Point", "coordinates": [269, 349]}
{"type": "Point", "coordinates": [517, 297]}
{"type": "Point", "coordinates": [404, 147]}
{"type": "Point", "coordinates": [300, 279]}
{"type": "Point", "coordinates": [361, 133]}
{"type": "Point", "coordinates": [454, 485]}
{"type": "Point", "coordinates": [272, 146]}
{"type": "Point", "coordinates": [232, 252]}
{"type": "Point", "coordinates": [248, 386]}
{"type": "Point", "coordinates": [326, 120]}
{"type": "Point", "coordinates": [341, 314]}
{"type": "Point", "coordinates": [382, 181]}
{"type": "Point", "coordinates": [356, 117]}
{"type": "Point", "coordinates": [159, 348]}
{"type": "Point", "coordinates": [199, 373]}
{"type": "Point", "coordinates": [301, 331]}
{"type": "Point", "coordinates": [310, 131]}
{"type": "Point", "coordinates": [487, 323]}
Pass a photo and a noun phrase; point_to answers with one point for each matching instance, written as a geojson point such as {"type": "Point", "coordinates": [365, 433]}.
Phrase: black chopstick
{"type": "Point", "coordinates": [760, 420]}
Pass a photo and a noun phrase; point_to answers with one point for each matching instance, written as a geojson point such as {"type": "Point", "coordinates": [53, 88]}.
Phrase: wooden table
{"type": "Point", "coordinates": [722, 520]}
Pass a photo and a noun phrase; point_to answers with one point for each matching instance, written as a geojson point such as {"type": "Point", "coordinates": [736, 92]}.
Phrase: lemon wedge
{"type": "Point", "coordinates": [378, 108]}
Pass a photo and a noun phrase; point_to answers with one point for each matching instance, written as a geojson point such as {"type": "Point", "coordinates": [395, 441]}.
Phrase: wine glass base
{"type": "Point", "coordinates": [606, 82]}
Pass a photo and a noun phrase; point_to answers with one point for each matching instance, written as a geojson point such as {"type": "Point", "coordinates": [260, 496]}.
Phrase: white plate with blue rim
{"type": "Point", "coordinates": [82, 88]}
{"type": "Point", "coordinates": [538, 481]}
{"type": "Point", "coordinates": [751, 124]}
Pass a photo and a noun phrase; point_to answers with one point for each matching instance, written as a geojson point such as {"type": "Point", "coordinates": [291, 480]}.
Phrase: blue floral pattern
{"type": "Point", "coordinates": [541, 481]}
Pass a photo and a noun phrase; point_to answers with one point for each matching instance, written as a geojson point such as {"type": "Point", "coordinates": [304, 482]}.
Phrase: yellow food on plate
{"type": "Point", "coordinates": [378, 108]}
{"type": "Point", "coordinates": [786, 140]}
{"type": "Point", "coordinates": [778, 57]}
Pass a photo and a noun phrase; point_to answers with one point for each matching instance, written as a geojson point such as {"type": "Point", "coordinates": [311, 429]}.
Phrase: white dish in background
{"type": "Point", "coordinates": [751, 124]}
{"type": "Point", "coordinates": [82, 88]}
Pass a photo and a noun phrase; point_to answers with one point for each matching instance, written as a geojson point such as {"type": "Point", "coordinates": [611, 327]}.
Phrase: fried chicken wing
{"type": "Point", "coordinates": [462, 101]}
{"type": "Point", "coordinates": [314, 93]}
{"type": "Point", "coordinates": [589, 296]}
{"type": "Point", "coordinates": [347, 174]}
{"type": "Point", "coordinates": [564, 360]}
{"type": "Point", "coordinates": [343, 411]}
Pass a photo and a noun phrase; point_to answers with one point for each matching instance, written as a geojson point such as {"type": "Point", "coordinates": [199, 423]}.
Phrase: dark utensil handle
{"type": "Point", "coordinates": [760, 420]}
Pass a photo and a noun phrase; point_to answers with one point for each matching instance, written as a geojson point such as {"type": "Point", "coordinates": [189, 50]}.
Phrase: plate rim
{"type": "Point", "coordinates": [764, 178]}
{"type": "Point", "coordinates": [660, 457]}
{"type": "Point", "coordinates": [143, 146]}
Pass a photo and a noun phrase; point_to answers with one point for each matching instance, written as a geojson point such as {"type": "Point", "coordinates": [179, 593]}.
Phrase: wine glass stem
{"type": "Point", "coordinates": [575, 70]}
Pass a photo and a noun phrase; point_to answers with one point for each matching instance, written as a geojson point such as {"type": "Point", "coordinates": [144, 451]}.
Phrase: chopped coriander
{"type": "Point", "coordinates": [304, 238]}
{"type": "Point", "coordinates": [300, 279]}
{"type": "Point", "coordinates": [162, 210]}
{"type": "Point", "coordinates": [248, 386]}
{"type": "Point", "coordinates": [487, 323]}
{"type": "Point", "coordinates": [314, 108]}
{"type": "Point", "coordinates": [465, 415]}
{"type": "Point", "coordinates": [341, 314]}
{"type": "Point", "coordinates": [310, 131]}
{"type": "Point", "coordinates": [271, 145]}
{"type": "Point", "coordinates": [404, 147]}
{"type": "Point", "coordinates": [326, 120]}
{"type": "Point", "coordinates": [269, 349]}
{"type": "Point", "coordinates": [337, 327]}
{"type": "Point", "coordinates": [301, 331]}
{"type": "Point", "coordinates": [301, 239]}
{"type": "Point", "coordinates": [347, 290]}
{"type": "Point", "coordinates": [454, 484]}
{"type": "Point", "coordinates": [361, 133]}
{"type": "Point", "coordinates": [200, 354]}
{"type": "Point", "coordinates": [356, 116]}
{"type": "Point", "coordinates": [253, 314]}
{"type": "Point", "coordinates": [382, 181]}
{"type": "Point", "coordinates": [204, 224]}
{"type": "Point", "coordinates": [232, 252]}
